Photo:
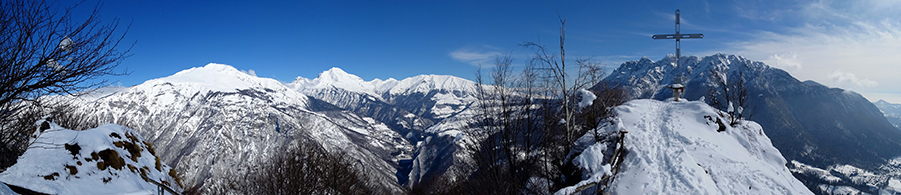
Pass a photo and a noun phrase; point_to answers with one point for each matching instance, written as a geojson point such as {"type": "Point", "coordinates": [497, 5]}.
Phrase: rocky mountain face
{"type": "Point", "coordinates": [808, 122]}
{"type": "Point", "coordinates": [215, 122]}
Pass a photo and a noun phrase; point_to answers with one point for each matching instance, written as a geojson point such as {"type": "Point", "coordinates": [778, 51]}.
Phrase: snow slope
{"type": "Point", "coordinates": [63, 161]}
{"type": "Point", "coordinates": [674, 148]}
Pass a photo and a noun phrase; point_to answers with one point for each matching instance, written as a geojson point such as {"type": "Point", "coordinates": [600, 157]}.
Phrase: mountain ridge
{"type": "Point", "coordinates": [338, 78]}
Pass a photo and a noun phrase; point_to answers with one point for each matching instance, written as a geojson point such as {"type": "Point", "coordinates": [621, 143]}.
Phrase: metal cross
{"type": "Point", "coordinates": [678, 37]}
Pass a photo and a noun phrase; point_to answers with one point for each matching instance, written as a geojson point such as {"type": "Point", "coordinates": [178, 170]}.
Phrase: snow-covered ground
{"type": "Point", "coordinates": [109, 159]}
{"type": "Point", "coordinates": [674, 148]}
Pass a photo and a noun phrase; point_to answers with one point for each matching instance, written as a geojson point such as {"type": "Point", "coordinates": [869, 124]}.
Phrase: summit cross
{"type": "Point", "coordinates": [678, 37]}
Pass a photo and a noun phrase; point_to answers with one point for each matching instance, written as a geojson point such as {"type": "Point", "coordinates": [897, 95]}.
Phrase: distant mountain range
{"type": "Point", "coordinates": [216, 122]}
{"type": "Point", "coordinates": [418, 107]}
{"type": "Point", "coordinates": [891, 111]}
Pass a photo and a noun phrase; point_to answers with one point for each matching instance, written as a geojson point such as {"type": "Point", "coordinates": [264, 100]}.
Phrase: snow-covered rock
{"type": "Point", "coordinates": [109, 159]}
{"type": "Point", "coordinates": [674, 148]}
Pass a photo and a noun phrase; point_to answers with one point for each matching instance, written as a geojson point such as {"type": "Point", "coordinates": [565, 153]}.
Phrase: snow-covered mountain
{"type": "Point", "coordinates": [109, 159]}
{"type": "Point", "coordinates": [891, 111]}
{"type": "Point", "coordinates": [409, 106]}
{"type": "Point", "coordinates": [678, 148]}
{"type": "Point", "coordinates": [427, 97]}
{"type": "Point", "coordinates": [337, 78]}
{"type": "Point", "coordinates": [808, 122]}
{"type": "Point", "coordinates": [215, 122]}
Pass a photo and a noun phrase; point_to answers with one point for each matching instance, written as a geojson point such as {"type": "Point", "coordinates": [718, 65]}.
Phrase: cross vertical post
{"type": "Point", "coordinates": [678, 37]}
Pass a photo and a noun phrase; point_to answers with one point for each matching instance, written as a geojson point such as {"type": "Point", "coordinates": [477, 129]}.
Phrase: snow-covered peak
{"type": "Point", "coordinates": [198, 82]}
{"type": "Point", "coordinates": [429, 96]}
{"type": "Point", "coordinates": [199, 74]}
{"type": "Point", "coordinates": [426, 83]}
{"type": "Point", "coordinates": [689, 64]}
{"type": "Point", "coordinates": [336, 75]}
{"type": "Point", "coordinates": [384, 85]}
{"type": "Point", "coordinates": [646, 77]}
{"type": "Point", "coordinates": [215, 77]}
{"type": "Point", "coordinates": [335, 78]}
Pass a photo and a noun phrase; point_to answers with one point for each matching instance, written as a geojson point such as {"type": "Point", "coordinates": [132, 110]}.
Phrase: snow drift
{"type": "Point", "coordinates": [674, 148]}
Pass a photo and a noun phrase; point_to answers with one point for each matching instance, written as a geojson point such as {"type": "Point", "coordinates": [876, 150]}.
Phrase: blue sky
{"type": "Point", "coordinates": [850, 44]}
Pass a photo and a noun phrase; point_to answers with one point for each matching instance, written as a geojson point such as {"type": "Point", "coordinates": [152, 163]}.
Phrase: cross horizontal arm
{"type": "Point", "coordinates": [679, 36]}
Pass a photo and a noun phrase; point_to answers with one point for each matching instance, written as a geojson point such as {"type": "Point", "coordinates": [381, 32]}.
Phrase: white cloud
{"type": "Point", "coordinates": [474, 57]}
{"type": "Point", "coordinates": [249, 72]}
{"type": "Point", "coordinates": [787, 61]}
{"type": "Point", "coordinates": [862, 36]}
{"type": "Point", "coordinates": [844, 77]}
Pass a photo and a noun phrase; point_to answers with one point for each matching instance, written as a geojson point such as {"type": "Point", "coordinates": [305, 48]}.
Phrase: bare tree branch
{"type": "Point", "coordinates": [44, 50]}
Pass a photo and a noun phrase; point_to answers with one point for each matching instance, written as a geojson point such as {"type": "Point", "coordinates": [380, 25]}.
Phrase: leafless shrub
{"type": "Point", "coordinates": [730, 95]}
